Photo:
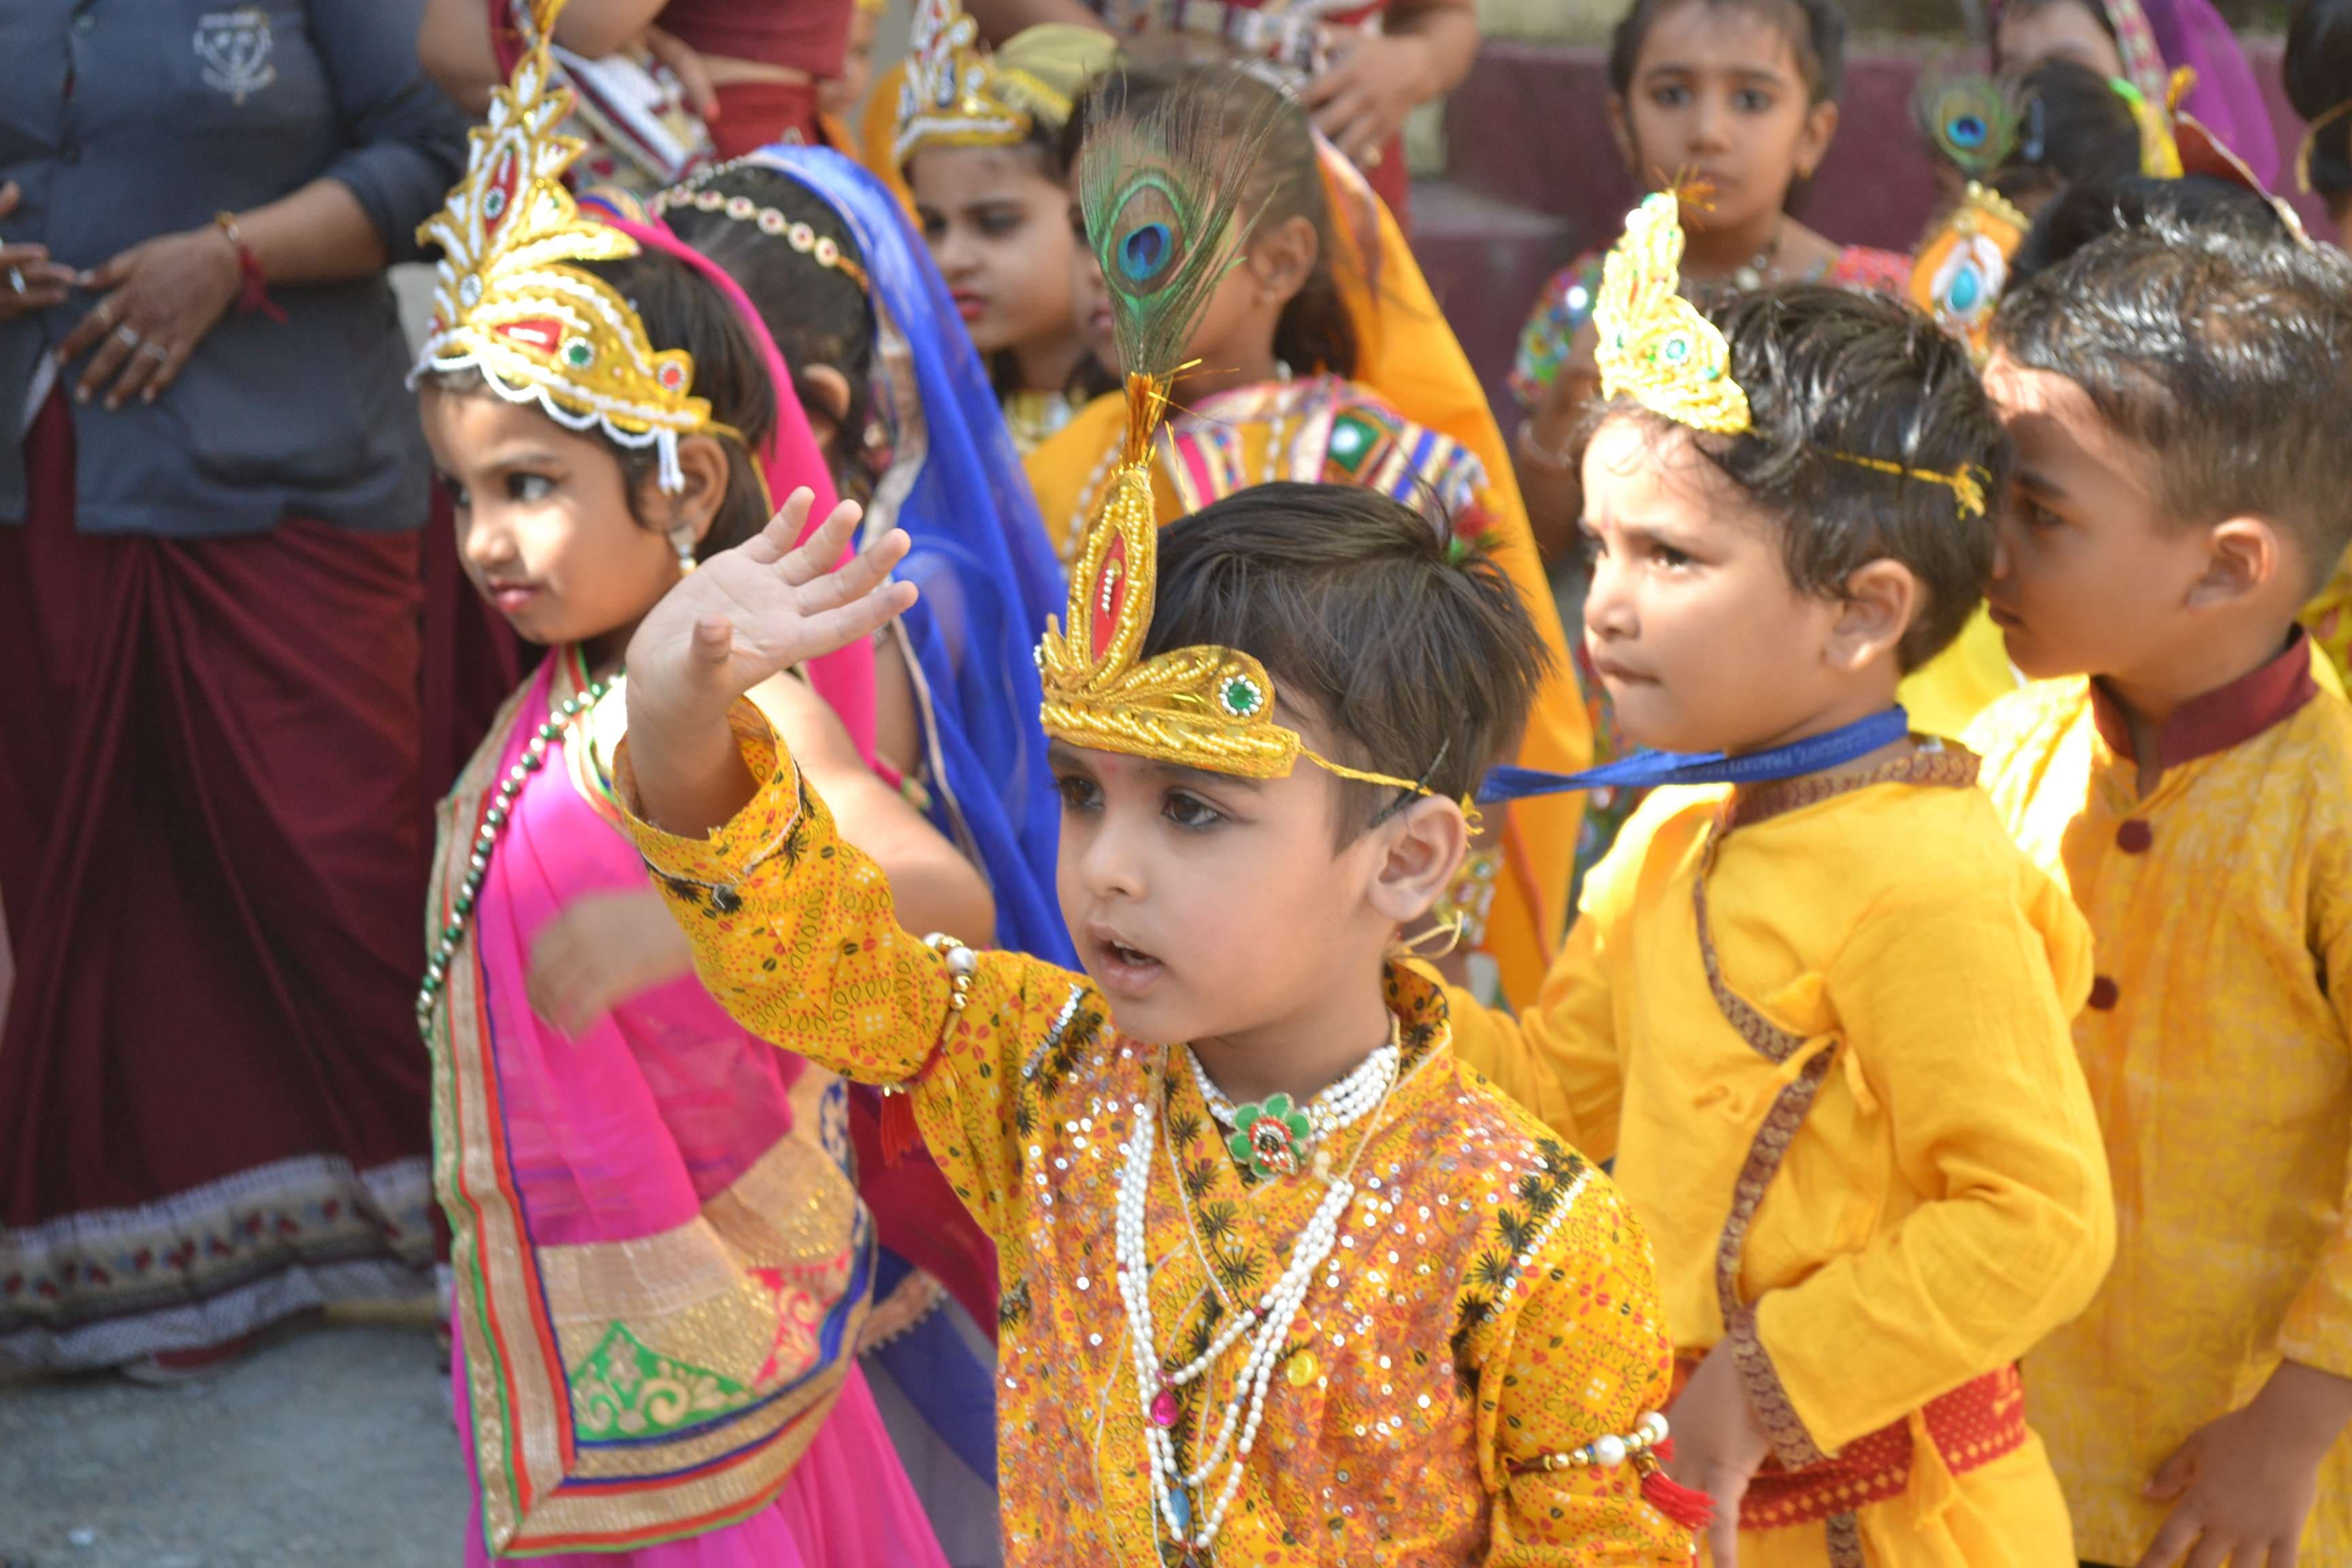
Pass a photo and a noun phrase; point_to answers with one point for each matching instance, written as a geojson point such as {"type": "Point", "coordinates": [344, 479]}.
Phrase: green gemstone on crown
{"type": "Point", "coordinates": [1240, 696]}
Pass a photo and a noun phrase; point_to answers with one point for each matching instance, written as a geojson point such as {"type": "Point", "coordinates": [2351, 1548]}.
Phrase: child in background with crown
{"type": "Point", "coordinates": [663, 1266]}
{"type": "Point", "coordinates": [2177, 397]}
{"type": "Point", "coordinates": [1323, 358]}
{"type": "Point", "coordinates": [1816, 1009]}
{"type": "Point", "coordinates": [1369, 1312]}
{"type": "Point", "coordinates": [979, 143]}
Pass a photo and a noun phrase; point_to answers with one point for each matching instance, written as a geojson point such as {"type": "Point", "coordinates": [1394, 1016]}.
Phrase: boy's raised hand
{"type": "Point", "coordinates": [742, 616]}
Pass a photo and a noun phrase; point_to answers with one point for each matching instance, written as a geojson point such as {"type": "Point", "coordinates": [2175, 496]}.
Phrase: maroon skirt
{"type": "Point", "coordinates": [213, 1099]}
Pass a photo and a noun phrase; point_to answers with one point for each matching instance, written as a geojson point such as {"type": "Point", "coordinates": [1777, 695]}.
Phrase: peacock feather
{"type": "Point", "coordinates": [1969, 119]}
{"type": "Point", "coordinates": [1162, 194]}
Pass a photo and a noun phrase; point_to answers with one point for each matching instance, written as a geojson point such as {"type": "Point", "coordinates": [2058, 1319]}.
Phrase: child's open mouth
{"type": "Point", "coordinates": [1123, 970]}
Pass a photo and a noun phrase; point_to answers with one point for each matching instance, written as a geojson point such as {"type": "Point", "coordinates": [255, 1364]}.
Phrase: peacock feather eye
{"type": "Point", "coordinates": [1145, 251]}
{"type": "Point", "coordinates": [1968, 130]}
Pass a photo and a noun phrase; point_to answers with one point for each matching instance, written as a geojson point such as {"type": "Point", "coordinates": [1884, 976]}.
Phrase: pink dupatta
{"type": "Point", "coordinates": [662, 1263]}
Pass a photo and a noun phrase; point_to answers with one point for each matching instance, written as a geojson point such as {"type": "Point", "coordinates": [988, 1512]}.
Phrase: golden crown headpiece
{"type": "Point", "coordinates": [950, 95]}
{"type": "Point", "coordinates": [1656, 347]}
{"type": "Point", "coordinates": [509, 301]}
{"type": "Point", "coordinates": [1161, 194]}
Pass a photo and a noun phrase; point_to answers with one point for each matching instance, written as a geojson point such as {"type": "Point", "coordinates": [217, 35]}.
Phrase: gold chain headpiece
{"type": "Point", "coordinates": [511, 301]}
{"type": "Point", "coordinates": [821, 249]}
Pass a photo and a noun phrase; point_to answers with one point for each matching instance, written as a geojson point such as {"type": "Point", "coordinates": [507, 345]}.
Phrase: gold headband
{"type": "Point", "coordinates": [1966, 482]}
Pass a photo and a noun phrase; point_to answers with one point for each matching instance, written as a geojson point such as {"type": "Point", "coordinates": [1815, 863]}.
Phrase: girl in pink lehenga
{"type": "Point", "coordinates": [662, 1264]}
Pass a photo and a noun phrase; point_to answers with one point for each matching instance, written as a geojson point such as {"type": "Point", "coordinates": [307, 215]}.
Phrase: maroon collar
{"type": "Point", "coordinates": [2223, 717]}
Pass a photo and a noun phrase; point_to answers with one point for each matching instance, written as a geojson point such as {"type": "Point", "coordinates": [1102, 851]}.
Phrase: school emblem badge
{"type": "Point", "coordinates": [235, 47]}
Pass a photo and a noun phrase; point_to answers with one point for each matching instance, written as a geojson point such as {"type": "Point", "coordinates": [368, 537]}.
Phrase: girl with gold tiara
{"type": "Point", "coordinates": [977, 142]}
{"type": "Point", "coordinates": [663, 1268]}
{"type": "Point", "coordinates": [1323, 358]}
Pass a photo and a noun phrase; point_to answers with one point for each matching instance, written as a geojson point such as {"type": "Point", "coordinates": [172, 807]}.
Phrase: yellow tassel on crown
{"type": "Point", "coordinates": [508, 303]}
{"type": "Point", "coordinates": [1161, 194]}
{"type": "Point", "coordinates": [1655, 346]}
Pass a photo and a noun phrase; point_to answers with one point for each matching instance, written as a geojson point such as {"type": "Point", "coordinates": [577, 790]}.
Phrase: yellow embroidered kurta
{"type": "Point", "coordinates": [1488, 1302]}
{"type": "Point", "coordinates": [1942, 1204]}
{"type": "Point", "coordinates": [2216, 1045]}
{"type": "Point", "coordinates": [1321, 430]}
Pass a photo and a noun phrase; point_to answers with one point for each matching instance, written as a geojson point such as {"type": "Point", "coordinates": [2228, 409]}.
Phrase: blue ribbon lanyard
{"type": "Point", "coordinates": [1651, 770]}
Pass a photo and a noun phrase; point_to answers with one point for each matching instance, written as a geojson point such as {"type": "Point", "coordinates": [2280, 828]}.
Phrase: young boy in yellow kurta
{"type": "Point", "coordinates": [1282, 1285]}
{"type": "Point", "coordinates": [2177, 399]}
{"type": "Point", "coordinates": [1816, 1010]}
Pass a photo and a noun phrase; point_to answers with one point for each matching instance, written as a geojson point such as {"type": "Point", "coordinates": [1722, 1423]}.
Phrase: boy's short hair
{"type": "Point", "coordinates": [2225, 355]}
{"type": "Point", "coordinates": [2085, 213]}
{"type": "Point", "coordinates": [1831, 375]}
{"type": "Point", "coordinates": [1420, 658]}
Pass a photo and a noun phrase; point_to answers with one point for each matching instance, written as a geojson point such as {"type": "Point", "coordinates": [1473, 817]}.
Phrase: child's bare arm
{"type": "Point", "coordinates": [744, 616]}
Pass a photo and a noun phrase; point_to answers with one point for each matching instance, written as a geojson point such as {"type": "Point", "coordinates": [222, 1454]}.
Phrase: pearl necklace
{"type": "Point", "coordinates": [1265, 1326]}
{"type": "Point", "coordinates": [1336, 1108]}
{"type": "Point", "coordinates": [494, 823]}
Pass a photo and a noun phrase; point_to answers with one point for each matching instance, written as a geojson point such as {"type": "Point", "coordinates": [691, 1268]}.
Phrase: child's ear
{"type": "Point", "coordinates": [1814, 142]}
{"type": "Point", "coordinates": [694, 505]}
{"type": "Point", "coordinates": [1282, 258]}
{"type": "Point", "coordinates": [830, 390]}
{"type": "Point", "coordinates": [2243, 556]}
{"type": "Point", "coordinates": [1425, 844]}
{"type": "Point", "coordinates": [1882, 599]}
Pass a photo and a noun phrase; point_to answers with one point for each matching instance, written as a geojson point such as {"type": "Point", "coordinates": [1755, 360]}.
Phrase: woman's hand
{"type": "Point", "coordinates": [29, 280]}
{"type": "Point", "coordinates": [601, 951]}
{"type": "Point", "coordinates": [685, 62]}
{"type": "Point", "coordinates": [1362, 98]}
{"type": "Point", "coordinates": [162, 296]}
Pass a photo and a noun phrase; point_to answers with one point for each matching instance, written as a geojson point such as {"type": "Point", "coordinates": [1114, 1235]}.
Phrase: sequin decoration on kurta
{"type": "Point", "coordinates": [1941, 1204]}
{"type": "Point", "coordinates": [1489, 1300]}
{"type": "Point", "coordinates": [2219, 1051]}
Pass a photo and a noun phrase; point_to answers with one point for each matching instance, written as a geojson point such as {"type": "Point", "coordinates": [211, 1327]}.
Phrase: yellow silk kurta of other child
{"type": "Point", "coordinates": [2221, 1072]}
{"type": "Point", "coordinates": [1493, 1304]}
{"type": "Point", "coordinates": [1942, 1205]}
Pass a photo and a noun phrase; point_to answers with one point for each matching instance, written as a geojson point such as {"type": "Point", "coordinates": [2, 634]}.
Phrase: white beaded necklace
{"type": "Point", "coordinates": [1337, 1108]}
{"type": "Point", "coordinates": [1267, 1326]}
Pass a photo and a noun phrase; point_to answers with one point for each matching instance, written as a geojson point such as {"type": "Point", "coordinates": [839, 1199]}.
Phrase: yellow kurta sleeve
{"type": "Point", "coordinates": [1585, 1357]}
{"type": "Point", "coordinates": [1945, 1000]}
{"type": "Point", "coordinates": [795, 935]}
{"type": "Point", "coordinates": [1560, 1058]}
{"type": "Point", "coordinates": [2317, 1331]}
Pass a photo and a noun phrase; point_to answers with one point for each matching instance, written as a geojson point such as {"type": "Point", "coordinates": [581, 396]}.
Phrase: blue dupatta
{"type": "Point", "coordinates": [988, 573]}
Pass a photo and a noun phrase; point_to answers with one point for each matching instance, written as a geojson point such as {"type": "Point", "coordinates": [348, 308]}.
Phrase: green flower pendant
{"type": "Point", "coordinates": [1270, 1138]}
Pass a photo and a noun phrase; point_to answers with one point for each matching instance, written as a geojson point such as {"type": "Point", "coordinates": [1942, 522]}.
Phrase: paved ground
{"type": "Point", "coordinates": [331, 1445]}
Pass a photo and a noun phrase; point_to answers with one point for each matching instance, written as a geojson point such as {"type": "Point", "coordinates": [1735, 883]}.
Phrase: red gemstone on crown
{"type": "Point", "coordinates": [1110, 598]}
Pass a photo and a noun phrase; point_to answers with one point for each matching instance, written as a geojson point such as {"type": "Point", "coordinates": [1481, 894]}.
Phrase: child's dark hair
{"type": "Point", "coordinates": [2086, 213]}
{"type": "Point", "coordinates": [2224, 356]}
{"type": "Point", "coordinates": [1815, 30]}
{"type": "Point", "coordinates": [1421, 665]}
{"type": "Point", "coordinates": [1833, 374]}
{"type": "Point", "coordinates": [2077, 130]}
{"type": "Point", "coordinates": [681, 310]}
{"type": "Point", "coordinates": [817, 315]}
{"type": "Point", "coordinates": [2318, 72]}
{"type": "Point", "coordinates": [1316, 332]}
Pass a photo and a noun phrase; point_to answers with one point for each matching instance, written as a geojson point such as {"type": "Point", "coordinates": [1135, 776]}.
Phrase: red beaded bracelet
{"type": "Point", "coordinates": [254, 294]}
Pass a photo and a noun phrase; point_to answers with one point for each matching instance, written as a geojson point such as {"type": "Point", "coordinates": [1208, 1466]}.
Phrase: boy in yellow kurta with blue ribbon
{"type": "Point", "coordinates": [1282, 1284]}
{"type": "Point", "coordinates": [1814, 1005]}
